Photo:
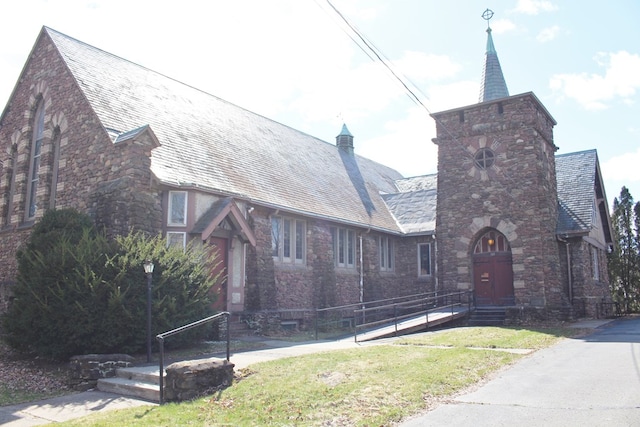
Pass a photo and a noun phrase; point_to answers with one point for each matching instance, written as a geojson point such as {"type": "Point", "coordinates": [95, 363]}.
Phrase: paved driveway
{"type": "Point", "coordinates": [593, 381]}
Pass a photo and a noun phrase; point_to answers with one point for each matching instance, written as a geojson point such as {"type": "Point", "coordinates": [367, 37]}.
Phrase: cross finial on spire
{"type": "Point", "coordinates": [487, 15]}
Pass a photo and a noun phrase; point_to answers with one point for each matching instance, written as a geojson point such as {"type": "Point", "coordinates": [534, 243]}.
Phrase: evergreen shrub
{"type": "Point", "coordinates": [78, 292]}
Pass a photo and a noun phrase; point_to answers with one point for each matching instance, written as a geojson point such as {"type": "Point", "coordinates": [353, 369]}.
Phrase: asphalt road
{"type": "Point", "coordinates": [592, 381]}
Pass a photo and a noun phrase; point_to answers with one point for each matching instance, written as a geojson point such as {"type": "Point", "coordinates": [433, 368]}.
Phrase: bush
{"type": "Point", "coordinates": [78, 292]}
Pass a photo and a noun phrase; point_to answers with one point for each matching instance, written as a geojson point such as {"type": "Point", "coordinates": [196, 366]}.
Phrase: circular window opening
{"type": "Point", "coordinates": [484, 158]}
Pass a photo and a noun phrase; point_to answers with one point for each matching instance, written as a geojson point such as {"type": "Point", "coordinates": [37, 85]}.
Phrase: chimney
{"type": "Point", "coordinates": [344, 141]}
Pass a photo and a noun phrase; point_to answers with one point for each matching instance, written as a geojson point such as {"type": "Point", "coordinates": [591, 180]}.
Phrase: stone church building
{"type": "Point", "coordinates": [301, 223]}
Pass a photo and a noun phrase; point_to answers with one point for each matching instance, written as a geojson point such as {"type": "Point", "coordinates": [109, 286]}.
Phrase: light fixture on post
{"type": "Point", "coordinates": [148, 269]}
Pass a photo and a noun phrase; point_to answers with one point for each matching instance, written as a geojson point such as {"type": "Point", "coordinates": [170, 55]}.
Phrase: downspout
{"type": "Point", "coordinates": [435, 257]}
{"type": "Point", "coordinates": [569, 280]}
{"type": "Point", "coordinates": [361, 273]}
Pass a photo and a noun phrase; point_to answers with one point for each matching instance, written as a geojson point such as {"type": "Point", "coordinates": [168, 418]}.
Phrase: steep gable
{"type": "Point", "coordinates": [210, 144]}
{"type": "Point", "coordinates": [575, 174]}
{"type": "Point", "coordinates": [582, 202]}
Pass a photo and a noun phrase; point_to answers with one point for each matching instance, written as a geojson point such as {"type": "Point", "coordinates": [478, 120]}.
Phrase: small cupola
{"type": "Point", "coordinates": [344, 141]}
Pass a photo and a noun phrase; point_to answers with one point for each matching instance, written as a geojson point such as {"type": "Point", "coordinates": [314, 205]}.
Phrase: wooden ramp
{"type": "Point", "coordinates": [413, 324]}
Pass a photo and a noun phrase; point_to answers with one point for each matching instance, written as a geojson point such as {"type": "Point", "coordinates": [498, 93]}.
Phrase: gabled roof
{"type": "Point", "coordinates": [414, 205]}
{"type": "Point", "coordinates": [576, 179]}
{"type": "Point", "coordinates": [210, 144]}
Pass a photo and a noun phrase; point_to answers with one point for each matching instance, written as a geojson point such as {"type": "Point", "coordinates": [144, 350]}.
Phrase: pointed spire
{"type": "Point", "coordinates": [493, 85]}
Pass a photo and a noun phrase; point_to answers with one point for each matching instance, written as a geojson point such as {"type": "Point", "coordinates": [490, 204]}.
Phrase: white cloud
{"type": "Point", "coordinates": [501, 26]}
{"type": "Point", "coordinates": [406, 144]}
{"type": "Point", "coordinates": [622, 171]}
{"type": "Point", "coordinates": [623, 168]}
{"type": "Point", "coordinates": [534, 7]}
{"type": "Point", "coordinates": [548, 34]}
{"type": "Point", "coordinates": [621, 79]}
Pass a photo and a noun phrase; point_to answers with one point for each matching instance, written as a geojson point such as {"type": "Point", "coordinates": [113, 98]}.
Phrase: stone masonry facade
{"type": "Point", "coordinates": [516, 195]}
{"type": "Point", "coordinates": [80, 166]}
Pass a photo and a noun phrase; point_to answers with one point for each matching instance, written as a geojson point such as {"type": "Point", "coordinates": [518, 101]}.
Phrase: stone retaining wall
{"type": "Point", "coordinates": [192, 378]}
{"type": "Point", "coordinates": [86, 370]}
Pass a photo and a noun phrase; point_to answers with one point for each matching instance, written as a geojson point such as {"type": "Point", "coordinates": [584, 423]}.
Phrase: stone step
{"type": "Point", "coordinates": [141, 382]}
{"type": "Point", "coordinates": [487, 316]}
{"type": "Point", "coordinates": [125, 387]}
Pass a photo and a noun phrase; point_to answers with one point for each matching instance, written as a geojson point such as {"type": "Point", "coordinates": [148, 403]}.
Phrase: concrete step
{"type": "Point", "coordinates": [148, 374]}
{"type": "Point", "coordinates": [141, 382]}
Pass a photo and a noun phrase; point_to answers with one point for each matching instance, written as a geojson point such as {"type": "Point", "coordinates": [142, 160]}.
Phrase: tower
{"type": "Point", "coordinates": [497, 198]}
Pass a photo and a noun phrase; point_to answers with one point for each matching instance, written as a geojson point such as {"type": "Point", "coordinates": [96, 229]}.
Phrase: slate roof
{"type": "Point", "coordinates": [414, 204]}
{"type": "Point", "coordinates": [493, 85]}
{"type": "Point", "coordinates": [576, 178]}
{"type": "Point", "coordinates": [211, 144]}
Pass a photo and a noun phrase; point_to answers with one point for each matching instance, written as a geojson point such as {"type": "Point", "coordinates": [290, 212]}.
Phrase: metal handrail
{"type": "Point", "coordinates": [370, 304]}
{"type": "Point", "coordinates": [447, 302]}
{"type": "Point", "coordinates": [162, 336]}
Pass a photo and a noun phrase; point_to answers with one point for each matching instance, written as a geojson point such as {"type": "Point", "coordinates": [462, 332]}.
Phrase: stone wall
{"type": "Point", "coordinates": [190, 379]}
{"type": "Point", "coordinates": [86, 370]}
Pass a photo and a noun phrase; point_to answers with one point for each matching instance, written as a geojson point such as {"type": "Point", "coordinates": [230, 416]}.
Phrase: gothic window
{"type": "Point", "coordinates": [11, 179]}
{"type": "Point", "coordinates": [34, 165]}
{"type": "Point", "coordinates": [492, 241]}
{"type": "Point", "coordinates": [54, 171]}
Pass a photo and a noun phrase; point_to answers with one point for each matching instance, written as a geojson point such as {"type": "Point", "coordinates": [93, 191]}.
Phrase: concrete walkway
{"type": "Point", "coordinates": [593, 381]}
{"type": "Point", "coordinates": [78, 405]}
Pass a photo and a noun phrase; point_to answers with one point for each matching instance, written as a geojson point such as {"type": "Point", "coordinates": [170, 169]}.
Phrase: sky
{"type": "Point", "coordinates": [296, 62]}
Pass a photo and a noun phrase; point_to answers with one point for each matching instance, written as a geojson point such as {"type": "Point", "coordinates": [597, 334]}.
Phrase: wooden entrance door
{"type": "Point", "coordinates": [493, 270]}
{"type": "Point", "coordinates": [219, 247]}
{"type": "Point", "coordinates": [493, 279]}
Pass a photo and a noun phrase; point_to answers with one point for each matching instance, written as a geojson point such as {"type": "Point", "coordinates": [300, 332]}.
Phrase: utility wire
{"type": "Point", "coordinates": [379, 57]}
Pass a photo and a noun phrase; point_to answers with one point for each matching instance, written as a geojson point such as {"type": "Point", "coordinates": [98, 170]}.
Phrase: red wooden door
{"type": "Point", "coordinates": [219, 247]}
{"type": "Point", "coordinates": [493, 279]}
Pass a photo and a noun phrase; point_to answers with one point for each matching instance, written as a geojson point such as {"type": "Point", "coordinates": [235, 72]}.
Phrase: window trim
{"type": "Point", "coordinates": [35, 159]}
{"type": "Point", "coordinates": [595, 265]}
{"type": "Point", "coordinates": [386, 253]}
{"type": "Point", "coordinates": [292, 237]}
{"type": "Point", "coordinates": [344, 246]}
{"type": "Point", "coordinates": [170, 221]}
{"type": "Point", "coordinates": [429, 269]}
{"type": "Point", "coordinates": [175, 233]}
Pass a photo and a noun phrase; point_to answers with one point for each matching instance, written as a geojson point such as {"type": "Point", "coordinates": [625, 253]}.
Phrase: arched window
{"type": "Point", "coordinates": [492, 241]}
{"type": "Point", "coordinates": [56, 165]}
{"type": "Point", "coordinates": [34, 167]}
{"type": "Point", "coordinates": [11, 180]}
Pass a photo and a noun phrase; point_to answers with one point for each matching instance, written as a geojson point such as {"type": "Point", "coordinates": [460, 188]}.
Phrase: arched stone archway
{"type": "Point", "coordinates": [492, 269]}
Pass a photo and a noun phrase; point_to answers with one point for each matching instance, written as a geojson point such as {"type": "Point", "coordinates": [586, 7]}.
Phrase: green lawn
{"type": "Point", "coordinates": [368, 386]}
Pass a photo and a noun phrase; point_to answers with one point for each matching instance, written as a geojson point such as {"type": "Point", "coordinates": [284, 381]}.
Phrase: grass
{"type": "Point", "coordinates": [493, 337]}
{"type": "Point", "coordinates": [372, 385]}
{"type": "Point", "coordinates": [10, 396]}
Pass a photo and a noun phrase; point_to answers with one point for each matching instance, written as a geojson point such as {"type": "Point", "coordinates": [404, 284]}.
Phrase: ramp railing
{"type": "Point", "coordinates": [396, 312]}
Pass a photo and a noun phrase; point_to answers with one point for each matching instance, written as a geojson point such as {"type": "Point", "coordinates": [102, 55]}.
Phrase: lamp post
{"type": "Point", "coordinates": [148, 269]}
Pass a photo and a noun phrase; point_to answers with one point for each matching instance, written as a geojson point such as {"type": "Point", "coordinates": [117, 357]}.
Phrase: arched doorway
{"type": "Point", "coordinates": [492, 270]}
